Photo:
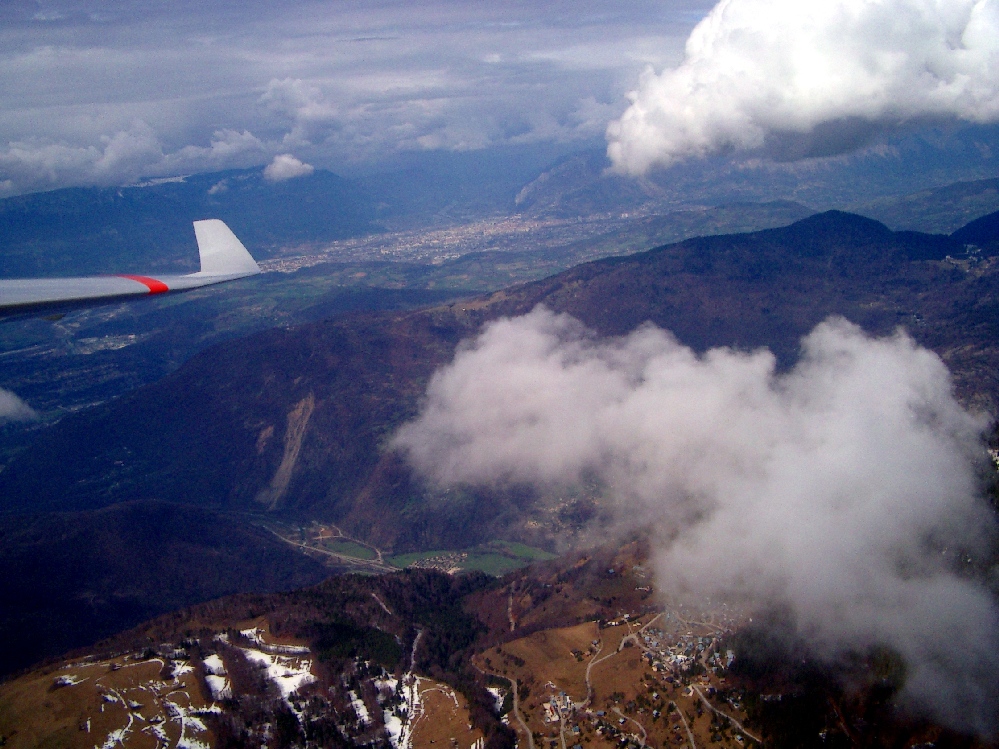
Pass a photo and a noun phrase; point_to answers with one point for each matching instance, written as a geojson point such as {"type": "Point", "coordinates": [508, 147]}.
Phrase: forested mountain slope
{"type": "Point", "coordinates": [295, 420]}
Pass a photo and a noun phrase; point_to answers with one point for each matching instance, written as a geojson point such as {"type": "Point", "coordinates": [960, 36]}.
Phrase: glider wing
{"type": "Point", "coordinates": [223, 258]}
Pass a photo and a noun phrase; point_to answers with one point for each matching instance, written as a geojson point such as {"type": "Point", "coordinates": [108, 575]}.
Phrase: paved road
{"type": "Point", "coordinates": [686, 725]}
{"type": "Point", "coordinates": [518, 716]}
{"type": "Point", "coordinates": [645, 736]}
{"type": "Point", "coordinates": [373, 564]}
{"type": "Point", "coordinates": [732, 720]}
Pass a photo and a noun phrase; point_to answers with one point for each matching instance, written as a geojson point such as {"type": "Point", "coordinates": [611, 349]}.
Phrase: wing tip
{"type": "Point", "coordinates": [222, 254]}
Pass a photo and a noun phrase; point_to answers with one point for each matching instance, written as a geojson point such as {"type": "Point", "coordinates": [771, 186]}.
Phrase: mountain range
{"type": "Point", "coordinates": [145, 227]}
{"type": "Point", "coordinates": [291, 423]}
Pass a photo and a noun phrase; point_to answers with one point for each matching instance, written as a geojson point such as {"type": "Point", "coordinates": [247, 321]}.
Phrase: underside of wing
{"type": "Point", "coordinates": [30, 291]}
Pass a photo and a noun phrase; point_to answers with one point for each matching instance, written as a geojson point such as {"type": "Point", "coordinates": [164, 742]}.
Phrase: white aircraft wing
{"type": "Point", "coordinates": [223, 258]}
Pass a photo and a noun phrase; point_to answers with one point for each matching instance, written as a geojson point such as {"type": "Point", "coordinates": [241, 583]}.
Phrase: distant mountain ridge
{"type": "Point", "coordinates": [940, 210]}
{"type": "Point", "coordinates": [911, 183]}
{"type": "Point", "coordinates": [982, 232]}
{"type": "Point", "coordinates": [147, 227]}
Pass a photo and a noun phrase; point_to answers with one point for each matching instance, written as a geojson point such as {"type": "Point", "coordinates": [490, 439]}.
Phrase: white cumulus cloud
{"type": "Point", "coordinates": [122, 157]}
{"type": "Point", "coordinates": [13, 408]}
{"type": "Point", "coordinates": [285, 167]}
{"type": "Point", "coordinates": [829, 490]}
{"type": "Point", "coordinates": [812, 78]}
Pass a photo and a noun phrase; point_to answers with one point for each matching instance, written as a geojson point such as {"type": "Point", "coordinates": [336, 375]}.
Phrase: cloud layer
{"type": "Point", "coordinates": [802, 79]}
{"type": "Point", "coordinates": [833, 489]}
{"type": "Point", "coordinates": [95, 94]}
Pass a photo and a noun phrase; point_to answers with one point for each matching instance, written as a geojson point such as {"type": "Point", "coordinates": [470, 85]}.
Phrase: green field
{"type": "Point", "coordinates": [494, 564]}
{"type": "Point", "coordinates": [348, 549]}
{"type": "Point", "coordinates": [522, 551]}
{"type": "Point", "coordinates": [493, 558]}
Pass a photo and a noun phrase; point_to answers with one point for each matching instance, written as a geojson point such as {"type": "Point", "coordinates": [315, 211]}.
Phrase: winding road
{"type": "Point", "coordinates": [732, 720]}
{"type": "Point", "coordinates": [375, 565]}
{"type": "Point", "coordinates": [686, 725]}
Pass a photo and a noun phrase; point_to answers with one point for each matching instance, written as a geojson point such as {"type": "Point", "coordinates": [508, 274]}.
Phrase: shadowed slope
{"type": "Point", "coordinates": [215, 433]}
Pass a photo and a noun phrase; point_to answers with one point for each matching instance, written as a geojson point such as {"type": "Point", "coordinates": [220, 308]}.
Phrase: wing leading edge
{"type": "Point", "coordinates": [223, 258]}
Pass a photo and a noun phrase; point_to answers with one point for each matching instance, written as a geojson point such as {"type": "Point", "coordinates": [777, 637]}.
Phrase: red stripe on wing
{"type": "Point", "coordinates": [155, 287]}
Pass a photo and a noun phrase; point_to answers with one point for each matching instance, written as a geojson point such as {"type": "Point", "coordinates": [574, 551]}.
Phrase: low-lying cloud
{"type": "Point", "coordinates": [812, 79]}
{"type": "Point", "coordinates": [126, 156]}
{"type": "Point", "coordinates": [284, 166]}
{"type": "Point", "coordinates": [832, 489]}
{"type": "Point", "coordinates": [13, 408]}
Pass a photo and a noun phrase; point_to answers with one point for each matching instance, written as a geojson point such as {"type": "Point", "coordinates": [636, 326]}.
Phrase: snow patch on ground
{"type": "Point", "coordinates": [157, 731]}
{"type": "Point", "coordinates": [253, 635]}
{"type": "Point", "coordinates": [195, 723]}
{"type": "Point", "coordinates": [189, 743]}
{"type": "Point", "coordinates": [362, 711]}
{"type": "Point", "coordinates": [388, 683]}
{"type": "Point", "coordinates": [114, 738]}
{"type": "Point", "coordinates": [498, 696]}
{"type": "Point", "coordinates": [394, 725]}
{"type": "Point", "coordinates": [396, 731]}
{"type": "Point", "coordinates": [289, 674]}
{"type": "Point", "coordinates": [214, 665]}
{"type": "Point", "coordinates": [187, 717]}
{"type": "Point", "coordinates": [69, 680]}
{"type": "Point", "coordinates": [287, 649]}
{"type": "Point", "coordinates": [219, 687]}
{"type": "Point", "coordinates": [400, 732]}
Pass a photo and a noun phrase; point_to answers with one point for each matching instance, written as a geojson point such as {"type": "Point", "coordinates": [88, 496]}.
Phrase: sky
{"type": "Point", "coordinates": [100, 92]}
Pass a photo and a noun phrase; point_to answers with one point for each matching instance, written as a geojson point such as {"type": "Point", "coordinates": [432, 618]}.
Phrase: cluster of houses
{"type": "Point", "coordinates": [677, 658]}
{"type": "Point", "coordinates": [558, 705]}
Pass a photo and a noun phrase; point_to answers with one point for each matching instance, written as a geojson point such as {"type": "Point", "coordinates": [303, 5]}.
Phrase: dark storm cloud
{"type": "Point", "coordinates": [98, 92]}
